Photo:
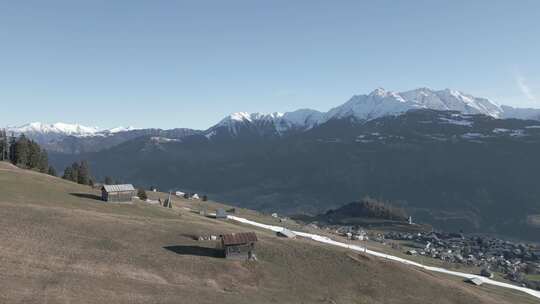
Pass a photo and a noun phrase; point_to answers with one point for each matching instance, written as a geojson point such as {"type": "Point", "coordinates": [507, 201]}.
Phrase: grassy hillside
{"type": "Point", "coordinates": [59, 244]}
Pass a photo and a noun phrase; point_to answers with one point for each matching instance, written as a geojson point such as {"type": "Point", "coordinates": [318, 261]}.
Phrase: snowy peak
{"type": "Point", "coordinates": [378, 103]}
{"type": "Point", "coordinates": [56, 128]}
{"type": "Point", "coordinates": [366, 107]}
{"type": "Point", "coordinates": [381, 103]}
{"type": "Point", "coordinates": [267, 124]}
{"type": "Point", "coordinates": [360, 108]}
{"type": "Point", "coordinates": [299, 119]}
{"type": "Point", "coordinates": [248, 118]}
{"type": "Point", "coordinates": [64, 129]}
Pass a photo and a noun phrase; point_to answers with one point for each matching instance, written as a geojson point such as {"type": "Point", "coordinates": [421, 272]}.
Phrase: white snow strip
{"type": "Point", "coordinates": [326, 240]}
{"type": "Point", "coordinates": [456, 122]}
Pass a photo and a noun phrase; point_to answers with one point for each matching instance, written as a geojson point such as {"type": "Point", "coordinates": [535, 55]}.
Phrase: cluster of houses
{"type": "Point", "coordinates": [126, 192]}
{"type": "Point", "coordinates": [353, 233]}
{"type": "Point", "coordinates": [514, 260]}
{"type": "Point", "coordinates": [193, 196]}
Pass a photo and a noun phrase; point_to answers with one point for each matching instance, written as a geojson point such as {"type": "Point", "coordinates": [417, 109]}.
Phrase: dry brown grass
{"type": "Point", "coordinates": [56, 247]}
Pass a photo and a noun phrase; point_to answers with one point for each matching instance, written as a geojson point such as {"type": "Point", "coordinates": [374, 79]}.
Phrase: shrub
{"type": "Point", "coordinates": [141, 193]}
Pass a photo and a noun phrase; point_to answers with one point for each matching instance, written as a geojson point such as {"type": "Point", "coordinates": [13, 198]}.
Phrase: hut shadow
{"type": "Point", "coordinates": [87, 195]}
{"type": "Point", "coordinates": [196, 250]}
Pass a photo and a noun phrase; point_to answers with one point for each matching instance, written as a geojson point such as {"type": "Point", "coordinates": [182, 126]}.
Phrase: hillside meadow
{"type": "Point", "coordinates": [60, 244]}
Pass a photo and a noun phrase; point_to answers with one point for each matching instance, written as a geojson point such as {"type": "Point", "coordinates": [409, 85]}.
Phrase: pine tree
{"type": "Point", "coordinates": [108, 180]}
{"type": "Point", "coordinates": [68, 173]}
{"type": "Point", "coordinates": [75, 172]}
{"type": "Point", "coordinates": [142, 194]}
{"type": "Point", "coordinates": [21, 151]}
{"type": "Point", "coordinates": [51, 171]}
{"type": "Point", "coordinates": [83, 175]}
{"type": "Point", "coordinates": [34, 155]}
{"type": "Point", "coordinates": [12, 144]}
{"type": "Point", "coordinates": [43, 162]}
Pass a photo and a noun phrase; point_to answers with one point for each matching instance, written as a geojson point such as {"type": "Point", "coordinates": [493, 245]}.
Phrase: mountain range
{"type": "Point", "coordinates": [452, 160]}
{"type": "Point", "coordinates": [360, 108]}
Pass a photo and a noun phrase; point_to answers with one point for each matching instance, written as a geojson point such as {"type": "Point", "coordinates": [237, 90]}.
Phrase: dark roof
{"type": "Point", "coordinates": [238, 238]}
{"type": "Point", "coordinates": [118, 188]}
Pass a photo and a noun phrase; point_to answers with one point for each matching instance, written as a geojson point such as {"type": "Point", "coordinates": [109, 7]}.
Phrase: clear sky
{"type": "Point", "coordinates": [189, 63]}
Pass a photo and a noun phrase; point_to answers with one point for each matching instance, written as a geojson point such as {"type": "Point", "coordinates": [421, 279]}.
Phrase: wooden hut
{"type": "Point", "coordinates": [118, 193]}
{"type": "Point", "coordinates": [221, 214]}
{"type": "Point", "coordinates": [239, 246]}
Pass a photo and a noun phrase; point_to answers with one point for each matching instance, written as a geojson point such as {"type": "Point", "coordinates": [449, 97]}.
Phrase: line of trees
{"type": "Point", "coordinates": [79, 173]}
{"type": "Point", "coordinates": [110, 181]}
{"type": "Point", "coordinates": [25, 153]}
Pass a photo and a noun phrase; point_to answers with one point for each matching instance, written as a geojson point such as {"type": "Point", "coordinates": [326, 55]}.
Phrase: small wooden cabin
{"type": "Point", "coordinates": [239, 246]}
{"type": "Point", "coordinates": [221, 214]}
{"type": "Point", "coordinates": [118, 193]}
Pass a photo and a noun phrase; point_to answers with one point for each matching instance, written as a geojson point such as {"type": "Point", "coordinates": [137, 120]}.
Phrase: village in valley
{"type": "Point", "coordinates": [488, 256]}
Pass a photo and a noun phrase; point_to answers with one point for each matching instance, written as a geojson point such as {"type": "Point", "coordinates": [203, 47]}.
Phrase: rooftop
{"type": "Point", "coordinates": [239, 238]}
{"type": "Point", "coordinates": [118, 188]}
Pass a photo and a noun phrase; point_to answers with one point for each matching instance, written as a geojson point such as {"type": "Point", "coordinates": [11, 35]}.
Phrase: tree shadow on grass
{"type": "Point", "coordinates": [87, 195]}
{"type": "Point", "coordinates": [196, 250]}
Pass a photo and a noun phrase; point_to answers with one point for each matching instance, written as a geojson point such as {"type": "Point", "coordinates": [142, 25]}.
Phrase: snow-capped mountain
{"type": "Point", "coordinates": [64, 129]}
{"type": "Point", "coordinates": [359, 108]}
{"type": "Point", "coordinates": [266, 124]}
{"type": "Point", "coordinates": [381, 103]}
{"type": "Point", "coordinates": [362, 108]}
{"type": "Point", "coordinates": [56, 128]}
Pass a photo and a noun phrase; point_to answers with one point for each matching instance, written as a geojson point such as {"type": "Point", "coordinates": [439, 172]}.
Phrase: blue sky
{"type": "Point", "coordinates": [189, 63]}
